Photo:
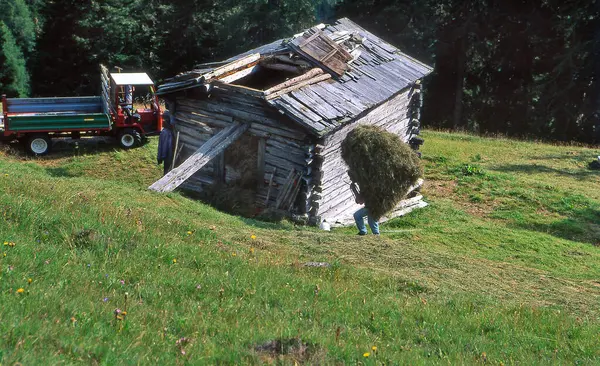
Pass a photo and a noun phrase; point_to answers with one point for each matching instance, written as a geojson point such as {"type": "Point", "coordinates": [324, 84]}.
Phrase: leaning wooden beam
{"type": "Point", "coordinates": [284, 190]}
{"type": "Point", "coordinates": [232, 66]}
{"type": "Point", "coordinates": [309, 75]}
{"type": "Point", "coordinates": [295, 192]}
{"type": "Point", "coordinates": [297, 86]}
{"type": "Point", "coordinates": [239, 74]}
{"type": "Point", "coordinates": [200, 158]}
{"type": "Point", "coordinates": [175, 151]}
{"type": "Point", "coordinates": [270, 185]}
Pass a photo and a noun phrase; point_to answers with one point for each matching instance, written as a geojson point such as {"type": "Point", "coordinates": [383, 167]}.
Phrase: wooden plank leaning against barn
{"type": "Point", "coordinates": [201, 157]}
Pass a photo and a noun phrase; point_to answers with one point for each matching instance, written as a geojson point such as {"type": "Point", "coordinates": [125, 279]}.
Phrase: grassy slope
{"type": "Point", "coordinates": [502, 267]}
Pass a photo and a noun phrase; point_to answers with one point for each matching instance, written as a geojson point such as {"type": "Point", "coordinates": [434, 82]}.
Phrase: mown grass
{"type": "Point", "coordinates": [503, 266]}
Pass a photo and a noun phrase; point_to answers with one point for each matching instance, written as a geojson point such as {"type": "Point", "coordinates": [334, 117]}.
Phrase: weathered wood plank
{"type": "Point", "coordinates": [308, 117]}
{"type": "Point", "coordinates": [260, 158]}
{"type": "Point", "coordinates": [309, 75]}
{"type": "Point", "coordinates": [270, 186]}
{"type": "Point", "coordinates": [299, 85]}
{"type": "Point", "coordinates": [239, 74]}
{"type": "Point", "coordinates": [321, 108]}
{"type": "Point", "coordinates": [203, 155]}
{"type": "Point", "coordinates": [232, 66]}
{"type": "Point", "coordinates": [239, 89]}
{"type": "Point", "coordinates": [286, 187]}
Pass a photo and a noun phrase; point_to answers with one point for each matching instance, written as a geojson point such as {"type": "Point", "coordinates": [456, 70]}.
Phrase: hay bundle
{"type": "Point", "coordinates": [383, 166]}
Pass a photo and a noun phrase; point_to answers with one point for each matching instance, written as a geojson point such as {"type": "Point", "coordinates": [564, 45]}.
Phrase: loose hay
{"type": "Point", "coordinates": [383, 166]}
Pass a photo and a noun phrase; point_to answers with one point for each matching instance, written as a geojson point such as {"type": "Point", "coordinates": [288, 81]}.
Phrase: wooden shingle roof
{"type": "Point", "coordinates": [377, 72]}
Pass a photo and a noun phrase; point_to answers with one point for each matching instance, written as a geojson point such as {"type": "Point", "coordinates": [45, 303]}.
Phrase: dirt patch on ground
{"type": "Point", "coordinates": [439, 188]}
{"type": "Point", "coordinates": [477, 210]}
{"type": "Point", "coordinates": [292, 350]}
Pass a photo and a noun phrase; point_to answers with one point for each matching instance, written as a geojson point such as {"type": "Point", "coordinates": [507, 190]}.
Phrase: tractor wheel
{"type": "Point", "coordinates": [129, 138]}
{"type": "Point", "coordinates": [38, 145]}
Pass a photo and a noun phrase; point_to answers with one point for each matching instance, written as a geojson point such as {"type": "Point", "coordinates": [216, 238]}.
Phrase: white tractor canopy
{"type": "Point", "coordinates": [139, 78]}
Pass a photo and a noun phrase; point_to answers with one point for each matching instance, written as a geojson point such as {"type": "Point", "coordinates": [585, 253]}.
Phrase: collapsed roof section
{"type": "Point", "coordinates": [322, 78]}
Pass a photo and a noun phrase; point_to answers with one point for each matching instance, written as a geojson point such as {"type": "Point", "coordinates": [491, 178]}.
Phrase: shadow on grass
{"type": "Point", "coordinates": [581, 174]}
{"type": "Point", "coordinates": [61, 172]}
{"type": "Point", "coordinates": [584, 157]}
{"type": "Point", "coordinates": [262, 221]}
{"type": "Point", "coordinates": [583, 226]}
{"type": "Point", "coordinates": [64, 148]}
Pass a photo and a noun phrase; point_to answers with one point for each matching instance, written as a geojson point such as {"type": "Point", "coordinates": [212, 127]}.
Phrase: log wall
{"type": "Point", "coordinates": [282, 145]}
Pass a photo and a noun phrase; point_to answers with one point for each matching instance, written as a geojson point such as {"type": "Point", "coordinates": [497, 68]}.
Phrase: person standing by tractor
{"type": "Point", "coordinates": [165, 143]}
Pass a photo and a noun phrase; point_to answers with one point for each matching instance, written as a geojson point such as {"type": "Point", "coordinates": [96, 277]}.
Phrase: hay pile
{"type": "Point", "coordinates": [232, 198]}
{"type": "Point", "coordinates": [383, 166]}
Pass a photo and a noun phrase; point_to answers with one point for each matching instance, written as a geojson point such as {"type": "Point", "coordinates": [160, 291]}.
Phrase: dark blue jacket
{"type": "Point", "coordinates": [165, 146]}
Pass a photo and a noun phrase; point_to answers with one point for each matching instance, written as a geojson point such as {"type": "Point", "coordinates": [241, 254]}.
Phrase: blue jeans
{"type": "Point", "coordinates": [359, 217]}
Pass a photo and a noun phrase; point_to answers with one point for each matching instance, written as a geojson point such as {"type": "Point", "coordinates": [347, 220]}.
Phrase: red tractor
{"type": "Point", "coordinates": [117, 112]}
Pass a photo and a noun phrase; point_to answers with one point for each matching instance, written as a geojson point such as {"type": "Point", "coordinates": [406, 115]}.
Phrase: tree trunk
{"type": "Point", "coordinates": [461, 66]}
{"type": "Point", "coordinates": [596, 79]}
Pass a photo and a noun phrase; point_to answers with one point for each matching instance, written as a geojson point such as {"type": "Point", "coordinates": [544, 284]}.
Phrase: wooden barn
{"type": "Point", "coordinates": [273, 118]}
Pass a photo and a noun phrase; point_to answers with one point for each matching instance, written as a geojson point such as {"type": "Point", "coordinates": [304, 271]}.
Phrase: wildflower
{"type": "Point", "coordinates": [5, 243]}
{"type": "Point", "coordinates": [189, 233]}
{"type": "Point", "coordinates": [198, 287]}
{"type": "Point", "coordinates": [366, 354]}
{"type": "Point", "coordinates": [73, 320]}
{"type": "Point", "coordinates": [233, 254]}
{"type": "Point", "coordinates": [181, 342]}
{"type": "Point", "coordinates": [213, 227]}
{"type": "Point", "coordinates": [20, 291]}
{"type": "Point", "coordinates": [251, 250]}
{"type": "Point", "coordinates": [105, 299]}
{"type": "Point", "coordinates": [29, 281]}
{"type": "Point", "coordinates": [47, 261]}
{"type": "Point", "coordinates": [5, 254]}
{"type": "Point", "coordinates": [117, 311]}
{"type": "Point", "coordinates": [89, 265]}
{"type": "Point", "coordinates": [174, 260]}
{"type": "Point", "coordinates": [122, 282]}
{"type": "Point", "coordinates": [253, 237]}
{"type": "Point", "coordinates": [374, 348]}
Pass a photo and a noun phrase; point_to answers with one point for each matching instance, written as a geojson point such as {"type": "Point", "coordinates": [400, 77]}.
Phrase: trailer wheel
{"type": "Point", "coordinates": [39, 144]}
{"type": "Point", "coordinates": [130, 138]}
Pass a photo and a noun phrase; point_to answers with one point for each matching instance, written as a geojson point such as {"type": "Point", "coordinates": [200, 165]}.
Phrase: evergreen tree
{"type": "Point", "coordinates": [14, 80]}
{"type": "Point", "coordinates": [62, 67]}
{"type": "Point", "coordinates": [17, 16]}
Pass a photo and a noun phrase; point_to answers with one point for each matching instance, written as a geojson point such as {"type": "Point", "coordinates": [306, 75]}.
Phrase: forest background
{"type": "Point", "coordinates": [526, 68]}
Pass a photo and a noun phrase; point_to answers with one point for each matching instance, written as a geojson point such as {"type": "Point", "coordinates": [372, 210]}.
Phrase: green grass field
{"type": "Point", "coordinates": [502, 268]}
